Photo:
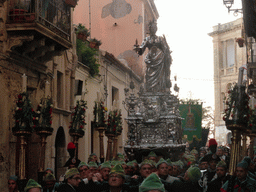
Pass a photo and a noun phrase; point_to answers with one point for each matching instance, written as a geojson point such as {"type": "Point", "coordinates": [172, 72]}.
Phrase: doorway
{"type": "Point", "coordinates": [60, 153]}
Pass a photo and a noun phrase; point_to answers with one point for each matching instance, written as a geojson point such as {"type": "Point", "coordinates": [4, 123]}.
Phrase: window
{"type": "Point", "coordinates": [78, 87]}
{"type": "Point", "coordinates": [230, 53]}
{"type": "Point", "coordinates": [227, 54]}
{"type": "Point", "coordinates": [115, 95]}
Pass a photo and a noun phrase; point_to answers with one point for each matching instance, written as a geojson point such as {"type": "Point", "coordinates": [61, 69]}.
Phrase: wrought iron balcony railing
{"type": "Point", "coordinates": [53, 14]}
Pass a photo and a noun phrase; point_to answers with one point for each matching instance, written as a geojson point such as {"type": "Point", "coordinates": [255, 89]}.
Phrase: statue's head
{"type": "Point", "coordinates": [152, 27]}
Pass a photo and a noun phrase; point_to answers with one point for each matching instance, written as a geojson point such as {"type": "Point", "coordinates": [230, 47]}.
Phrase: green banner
{"type": "Point", "coordinates": [192, 120]}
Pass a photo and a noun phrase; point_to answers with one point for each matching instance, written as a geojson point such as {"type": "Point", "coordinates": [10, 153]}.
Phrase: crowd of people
{"type": "Point", "coordinates": [205, 170]}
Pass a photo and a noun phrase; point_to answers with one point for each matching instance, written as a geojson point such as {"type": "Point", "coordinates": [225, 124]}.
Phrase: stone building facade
{"type": "Point", "coordinates": [228, 58]}
{"type": "Point", "coordinates": [36, 41]}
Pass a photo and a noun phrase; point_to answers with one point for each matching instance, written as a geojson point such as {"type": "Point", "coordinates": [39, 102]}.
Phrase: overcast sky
{"type": "Point", "coordinates": [186, 25]}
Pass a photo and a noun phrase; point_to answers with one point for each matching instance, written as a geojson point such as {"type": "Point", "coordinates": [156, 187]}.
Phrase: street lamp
{"type": "Point", "coordinates": [228, 4]}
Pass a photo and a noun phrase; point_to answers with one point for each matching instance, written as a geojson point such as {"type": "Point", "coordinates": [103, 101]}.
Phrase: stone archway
{"type": "Point", "coordinates": [60, 153]}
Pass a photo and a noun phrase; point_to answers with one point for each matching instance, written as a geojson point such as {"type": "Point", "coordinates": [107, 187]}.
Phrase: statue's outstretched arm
{"type": "Point", "coordinates": [140, 50]}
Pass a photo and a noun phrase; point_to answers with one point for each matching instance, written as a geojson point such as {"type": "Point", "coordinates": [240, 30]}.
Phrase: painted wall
{"type": "Point", "coordinates": [117, 23]}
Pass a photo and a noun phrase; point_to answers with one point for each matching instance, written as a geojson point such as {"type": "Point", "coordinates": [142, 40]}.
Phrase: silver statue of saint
{"type": "Point", "coordinates": [158, 61]}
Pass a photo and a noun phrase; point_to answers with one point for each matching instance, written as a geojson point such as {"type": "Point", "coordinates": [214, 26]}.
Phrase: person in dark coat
{"type": "Point", "coordinates": [222, 177]}
{"type": "Point", "coordinates": [188, 183]}
{"type": "Point", "coordinates": [145, 171]}
{"type": "Point", "coordinates": [116, 181]}
{"type": "Point", "coordinates": [241, 182]}
{"type": "Point", "coordinates": [72, 180]}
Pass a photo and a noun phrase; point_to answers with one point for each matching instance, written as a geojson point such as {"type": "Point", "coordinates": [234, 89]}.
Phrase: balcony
{"type": "Point", "coordinates": [38, 29]}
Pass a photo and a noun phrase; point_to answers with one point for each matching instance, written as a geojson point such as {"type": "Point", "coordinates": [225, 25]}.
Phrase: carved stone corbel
{"type": "Point", "coordinates": [33, 45]}
{"type": "Point", "coordinates": [17, 41]}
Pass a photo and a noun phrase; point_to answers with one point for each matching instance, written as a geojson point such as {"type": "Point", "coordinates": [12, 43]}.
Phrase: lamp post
{"type": "Point", "coordinates": [228, 4]}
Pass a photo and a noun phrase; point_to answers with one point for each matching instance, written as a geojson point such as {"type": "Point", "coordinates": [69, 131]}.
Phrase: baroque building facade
{"type": "Point", "coordinates": [228, 58]}
{"type": "Point", "coordinates": [36, 43]}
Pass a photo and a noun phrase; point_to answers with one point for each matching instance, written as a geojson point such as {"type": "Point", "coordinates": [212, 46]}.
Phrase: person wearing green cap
{"type": "Point", "coordinates": [176, 169]}
{"type": "Point", "coordinates": [72, 180]}
{"type": "Point", "coordinates": [221, 177]}
{"type": "Point", "coordinates": [86, 177]}
{"type": "Point", "coordinates": [188, 183]}
{"type": "Point", "coordinates": [152, 156]}
{"type": "Point", "coordinates": [194, 152]}
{"type": "Point", "coordinates": [152, 184]}
{"type": "Point", "coordinates": [145, 171]}
{"type": "Point", "coordinates": [12, 183]}
{"type": "Point", "coordinates": [93, 157]}
{"type": "Point", "coordinates": [93, 167]}
{"type": "Point", "coordinates": [32, 186]}
{"type": "Point", "coordinates": [162, 171]}
{"type": "Point", "coordinates": [84, 171]}
{"type": "Point", "coordinates": [116, 181]}
{"type": "Point", "coordinates": [250, 166]}
{"type": "Point", "coordinates": [240, 182]}
{"type": "Point", "coordinates": [130, 169]}
{"type": "Point", "coordinates": [135, 168]}
{"type": "Point", "coordinates": [50, 184]}
{"type": "Point", "coordinates": [116, 178]}
{"type": "Point", "coordinates": [105, 170]}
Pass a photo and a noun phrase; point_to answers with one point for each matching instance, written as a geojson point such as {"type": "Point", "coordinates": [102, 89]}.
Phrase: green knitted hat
{"type": "Point", "coordinates": [130, 163]}
{"type": "Point", "coordinates": [193, 151]}
{"type": "Point", "coordinates": [118, 169]}
{"type": "Point", "coordinates": [153, 163]}
{"type": "Point", "coordinates": [243, 164]}
{"type": "Point", "coordinates": [92, 164]}
{"type": "Point", "coordinates": [181, 164]}
{"type": "Point", "coordinates": [160, 162]}
{"type": "Point", "coordinates": [194, 174]}
{"type": "Point", "coordinates": [114, 163]}
{"type": "Point", "coordinates": [222, 164]}
{"type": "Point", "coordinates": [71, 172]}
{"type": "Point", "coordinates": [152, 154]}
{"type": "Point", "coordinates": [93, 154]}
{"type": "Point", "coordinates": [32, 184]}
{"type": "Point", "coordinates": [134, 161]}
{"type": "Point", "coordinates": [82, 164]}
{"type": "Point", "coordinates": [146, 162]}
{"type": "Point", "coordinates": [152, 182]}
{"type": "Point", "coordinates": [122, 162]}
{"type": "Point", "coordinates": [247, 159]}
{"type": "Point", "coordinates": [49, 177]}
{"type": "Point", "coordinates": [120, 156]}
{"type": "Point", "coordinates": [169, 161]}
{"type": "Point", "coordinates": [105, 165]}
